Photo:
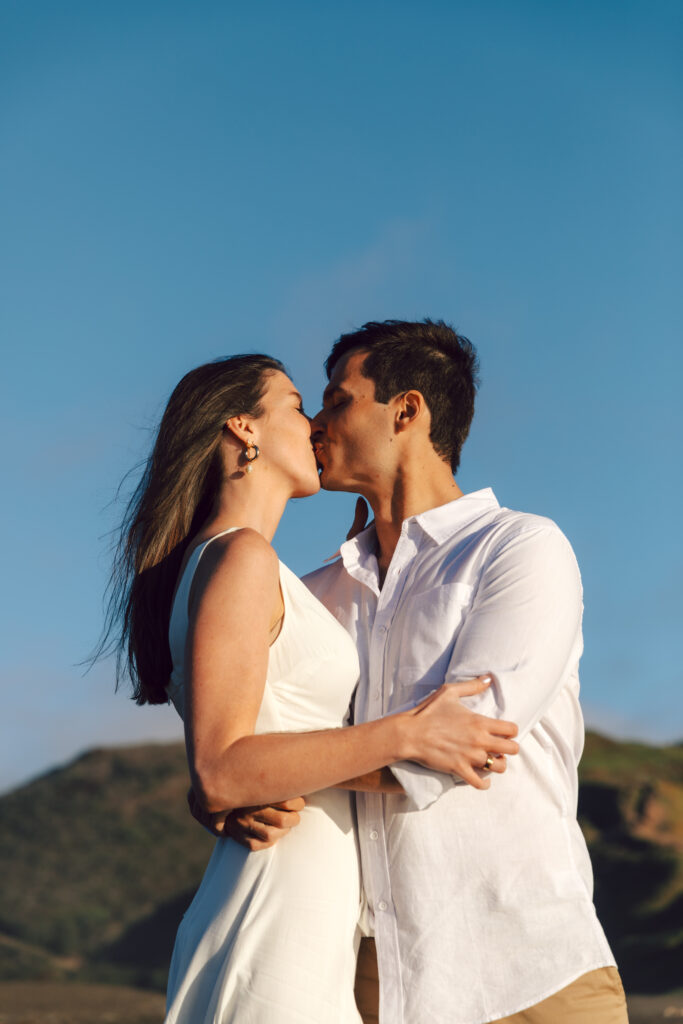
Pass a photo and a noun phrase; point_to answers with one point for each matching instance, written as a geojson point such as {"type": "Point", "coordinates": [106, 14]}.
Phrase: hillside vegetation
{"type": "Point", "coordinates": [631, 811]}
{"type": "Point", "coordinates": [98, 861]}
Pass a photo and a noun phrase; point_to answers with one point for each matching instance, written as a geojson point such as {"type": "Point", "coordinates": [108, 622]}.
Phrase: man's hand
{"type": "Point", "coordinates": [261, 827]}
{"type": "Point", "coordinates": [257, 828]}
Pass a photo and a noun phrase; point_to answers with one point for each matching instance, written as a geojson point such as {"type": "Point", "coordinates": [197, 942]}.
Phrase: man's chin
{"type": "Point", "coordinates": [329, 482]}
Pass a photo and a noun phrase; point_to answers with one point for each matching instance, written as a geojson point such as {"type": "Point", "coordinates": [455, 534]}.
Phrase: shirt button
{"type": "Point", "coordinates": [382, 629]}
{"type": "Point", "coordinates": [377, 695]}
{"type": "Point", "coordinates": [381, 905]}
{"type": "Point", "coordinates": [374, 834]}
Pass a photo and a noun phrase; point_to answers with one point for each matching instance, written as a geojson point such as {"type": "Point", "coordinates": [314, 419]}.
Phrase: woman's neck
{"type": "Point", "coordinates": [250, 503]}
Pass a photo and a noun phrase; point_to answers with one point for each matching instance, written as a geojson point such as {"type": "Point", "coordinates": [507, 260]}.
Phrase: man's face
{"type": "Point", "coordinates": [353, 434]}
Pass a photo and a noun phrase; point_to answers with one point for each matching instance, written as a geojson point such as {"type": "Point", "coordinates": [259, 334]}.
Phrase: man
{"type": "Point", "coordinates": [480, 901]}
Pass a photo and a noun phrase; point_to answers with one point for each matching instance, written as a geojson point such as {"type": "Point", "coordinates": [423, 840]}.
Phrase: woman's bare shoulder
{"type": "Point", "coordinates": [242, 552]}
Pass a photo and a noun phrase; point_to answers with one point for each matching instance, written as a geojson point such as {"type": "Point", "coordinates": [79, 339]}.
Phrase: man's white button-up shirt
{"type": "Point", "coordinates": [481, 900]}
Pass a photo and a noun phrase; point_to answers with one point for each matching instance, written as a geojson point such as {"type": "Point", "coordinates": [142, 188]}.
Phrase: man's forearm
{"type": "Point", "coordinates": [380, 781]}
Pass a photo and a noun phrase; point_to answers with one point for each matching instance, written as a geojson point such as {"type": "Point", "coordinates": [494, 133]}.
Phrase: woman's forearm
{"type": "Point", "coordinates": [270, 767]}
{"type": "Point", "coordinates": [439, 733]}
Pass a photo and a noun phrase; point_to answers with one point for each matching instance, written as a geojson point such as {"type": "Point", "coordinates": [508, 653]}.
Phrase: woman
{"type": "Point", "coordinates": [262, 675]}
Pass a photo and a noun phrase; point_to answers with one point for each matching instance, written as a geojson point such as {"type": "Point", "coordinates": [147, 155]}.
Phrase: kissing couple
{"type": "Point", "coordinates": [421, 691]}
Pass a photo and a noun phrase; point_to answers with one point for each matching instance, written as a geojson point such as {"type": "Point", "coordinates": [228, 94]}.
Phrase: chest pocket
{"type": "Point", "coordinates": [427, 627]}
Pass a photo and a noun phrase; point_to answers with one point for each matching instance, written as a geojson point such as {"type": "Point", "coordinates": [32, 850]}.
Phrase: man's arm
{"type": "Point", "coordinates": [527, 617]}
{"type": "Point", "coordinates": [258, 828]}
{"type": "Point", "coordinates": [380, 781]}
{"type": "Point", "coordinates": [524, 625]}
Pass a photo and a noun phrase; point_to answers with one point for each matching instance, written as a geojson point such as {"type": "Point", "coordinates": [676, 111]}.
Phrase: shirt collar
{"type": "Point", "coordinates": [359, 556]}
{"type": "Point", "coordinates": [440, 523]}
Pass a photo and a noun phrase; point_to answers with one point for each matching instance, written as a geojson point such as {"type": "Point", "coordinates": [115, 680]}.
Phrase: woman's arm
{"type": "Point", "coordinates": [227, 657]}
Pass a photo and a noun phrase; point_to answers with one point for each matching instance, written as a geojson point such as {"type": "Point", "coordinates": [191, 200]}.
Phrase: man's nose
{"type": "Point", "coordinates": [317, 426]}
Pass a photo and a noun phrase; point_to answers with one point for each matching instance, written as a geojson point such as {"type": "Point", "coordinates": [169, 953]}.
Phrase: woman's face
{"type": "Point", "coordinates": [283, 434]}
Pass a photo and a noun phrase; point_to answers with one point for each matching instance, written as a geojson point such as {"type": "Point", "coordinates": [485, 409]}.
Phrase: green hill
{"type": "Point", "coordinates": [99, 860]}
{"type": "Point", "coordinates": [631, 811]}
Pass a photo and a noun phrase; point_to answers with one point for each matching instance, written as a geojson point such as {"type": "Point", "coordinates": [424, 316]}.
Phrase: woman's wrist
{"type": "Point", "coordinates": [401, 738]}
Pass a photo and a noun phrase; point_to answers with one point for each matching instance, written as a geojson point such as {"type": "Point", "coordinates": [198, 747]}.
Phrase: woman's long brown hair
{"type": "Point", "coordinates": [173, 498]}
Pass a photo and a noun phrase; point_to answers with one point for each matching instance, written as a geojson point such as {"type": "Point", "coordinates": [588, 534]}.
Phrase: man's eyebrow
{"type": "Point", "coordinates": [331, 389]}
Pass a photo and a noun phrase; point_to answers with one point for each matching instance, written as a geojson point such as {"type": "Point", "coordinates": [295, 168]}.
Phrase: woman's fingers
{"type": "Point", "coordinates": [468, 774]}
{"type": "Point", "coordinates": [499, 745]}
{"type": "Point", "coordinates": [470, 687]}
{"type": "Point", "coordinates": [359, 520]}
{"type": "Point", "coordinates": [501, 727]}
{"type": "Point", "coordinates": [453, 737]}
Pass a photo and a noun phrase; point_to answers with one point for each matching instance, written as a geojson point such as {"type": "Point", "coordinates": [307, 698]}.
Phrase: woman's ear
{"type": "Point", "coordinates": [240, 427]}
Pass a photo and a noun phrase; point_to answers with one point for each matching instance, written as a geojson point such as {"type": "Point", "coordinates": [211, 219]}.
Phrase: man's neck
{"type": "Point", "coordinates": [406, 498]}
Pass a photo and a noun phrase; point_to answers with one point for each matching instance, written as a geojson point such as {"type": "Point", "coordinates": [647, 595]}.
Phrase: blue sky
{"type": "Point", "coordinates": [180, 181]}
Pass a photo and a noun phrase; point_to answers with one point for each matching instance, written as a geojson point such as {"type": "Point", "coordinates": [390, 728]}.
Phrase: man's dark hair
{"type": "Point", "coordinates": [427, 356]}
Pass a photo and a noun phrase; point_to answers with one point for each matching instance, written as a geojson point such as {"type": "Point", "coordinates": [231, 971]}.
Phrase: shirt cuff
{"type": "Point", "coordinates": [422, 786]}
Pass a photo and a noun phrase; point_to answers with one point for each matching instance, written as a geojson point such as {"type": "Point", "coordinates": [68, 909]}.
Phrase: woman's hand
{"type": "Point", "coordinates": [448, 737]}
{"type": "Point", "coordinates": [360, 519]}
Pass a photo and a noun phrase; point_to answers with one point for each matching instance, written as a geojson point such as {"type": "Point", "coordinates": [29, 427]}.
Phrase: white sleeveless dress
{"type": "Point", "coordinates": [271, 937]}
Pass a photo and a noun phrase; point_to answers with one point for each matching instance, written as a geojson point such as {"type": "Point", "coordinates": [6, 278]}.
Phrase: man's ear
{"type": "Point", "coordinates": [410, 407]}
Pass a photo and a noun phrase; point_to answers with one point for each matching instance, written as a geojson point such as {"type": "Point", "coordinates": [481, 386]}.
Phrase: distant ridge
{"type": "Point", "coordinates": [100, 858]}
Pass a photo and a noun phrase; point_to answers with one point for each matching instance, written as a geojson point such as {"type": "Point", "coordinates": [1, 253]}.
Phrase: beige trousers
{"type": "Point", "coordinates": [594, 998]}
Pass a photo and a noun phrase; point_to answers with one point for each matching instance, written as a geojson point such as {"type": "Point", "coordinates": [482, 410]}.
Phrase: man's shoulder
{"type": "Point", "coordinates": [337, 590]}
{"type": "Point", "coordinates": [530, 540]}
{"type": "Point", "coordinates": [508, 523]}
{"type": "Point", "coordinates": [479, 516]}
{"type": "Point", "coordinates": [326, 579]}
{"type": "Point", "coordinates": [517, 535]}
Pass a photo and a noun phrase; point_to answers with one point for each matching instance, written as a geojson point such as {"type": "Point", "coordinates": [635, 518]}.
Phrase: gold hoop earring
{"type": "Point", "coordinates": [251, 454]}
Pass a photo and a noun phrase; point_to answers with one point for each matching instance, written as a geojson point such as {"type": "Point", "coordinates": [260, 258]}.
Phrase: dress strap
{"type": "Point", "coordinates": [179, 612]}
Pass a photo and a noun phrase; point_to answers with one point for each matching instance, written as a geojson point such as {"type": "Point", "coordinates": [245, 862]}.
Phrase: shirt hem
{"type": "Point", "coordinates": [509, 1012]}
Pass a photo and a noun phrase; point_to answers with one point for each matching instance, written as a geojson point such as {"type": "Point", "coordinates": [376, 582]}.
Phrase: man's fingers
{"type": "Point", "coordinates": [277, 818]}
{"type": "Point", "coordinates": [262, 837]}
{"type": "Point", "coordinates": [498, 764]}
{"type": "Point", "coordinates": [256, 844]}
{"type": "Point", "coordinates": [297, 803]}
{"type": "Point", "coordinates": [258, 828]}
{"type": "Point", "coordinates": [246, 832]}
{"type": "Point", "coordinates": [268, 823]}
